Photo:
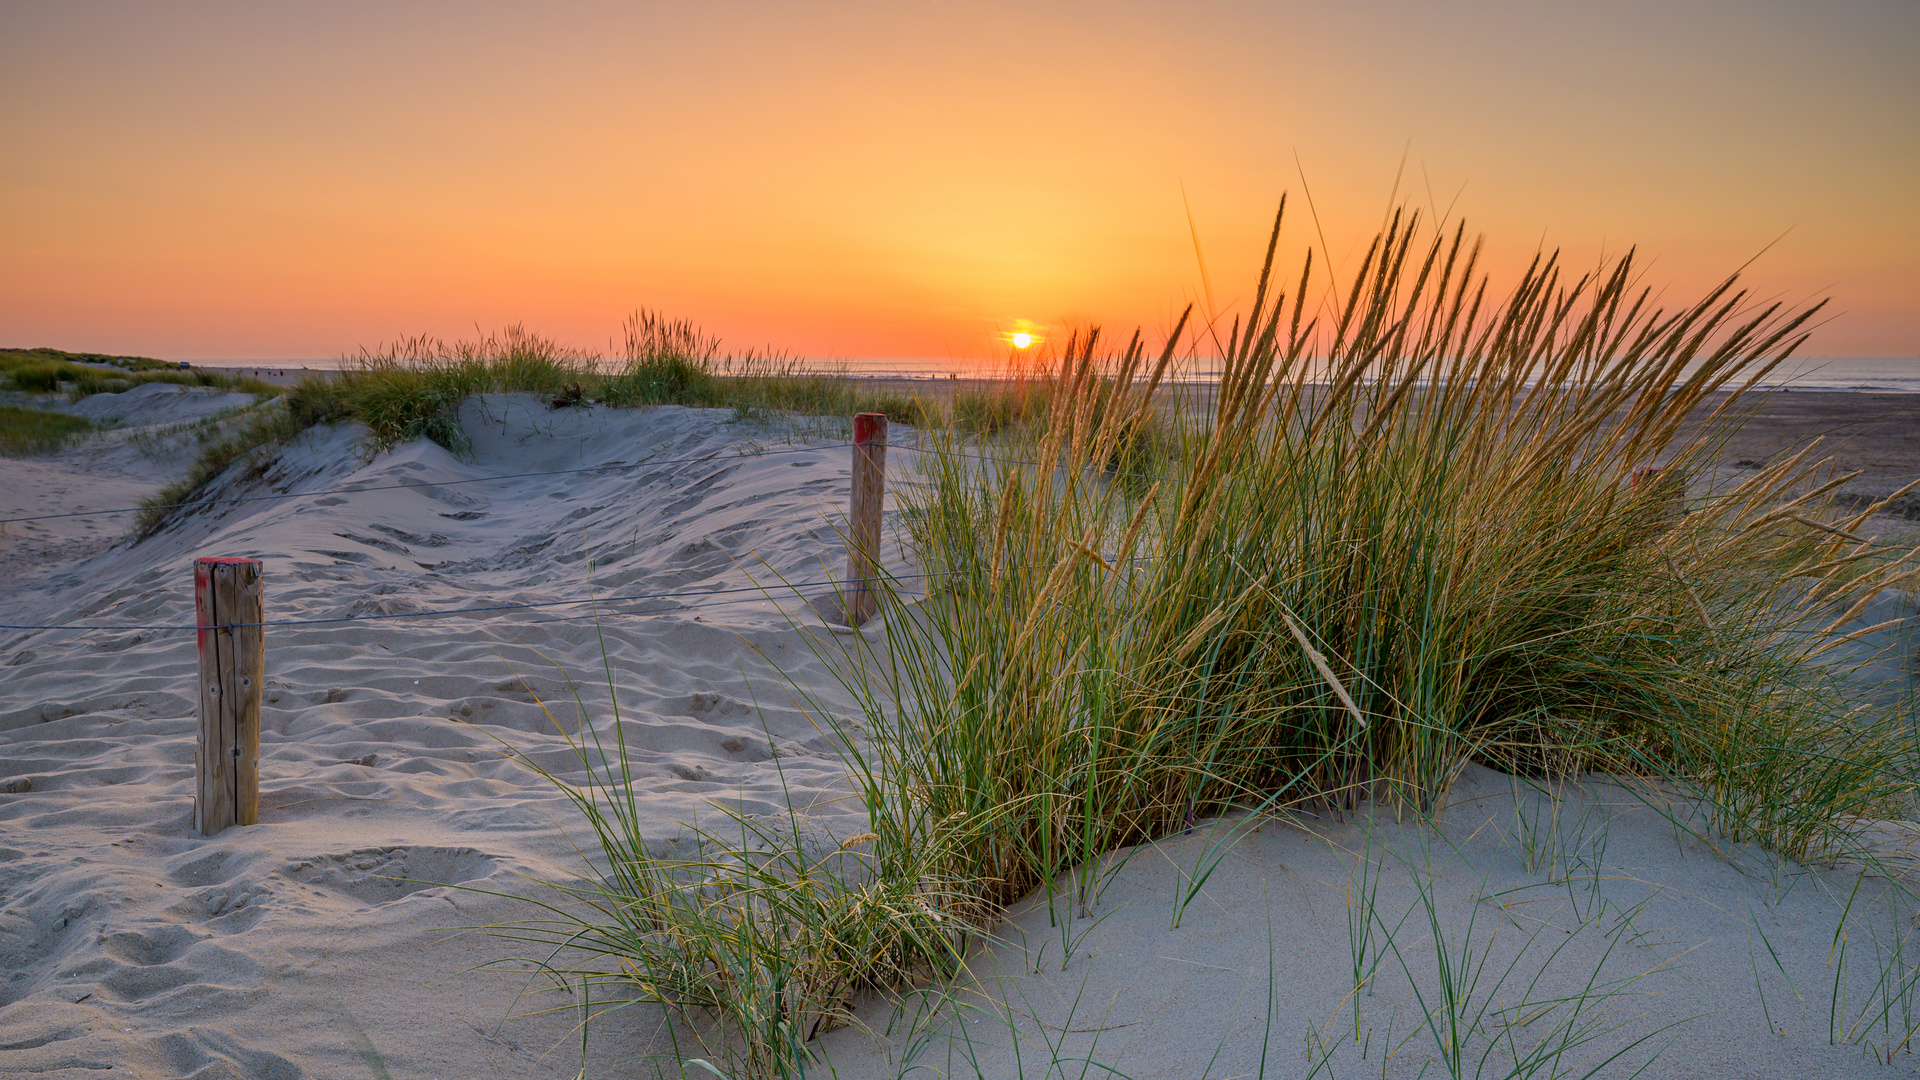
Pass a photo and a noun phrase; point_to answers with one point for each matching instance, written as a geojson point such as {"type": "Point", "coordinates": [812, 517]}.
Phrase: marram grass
{"type": "Point", "coordinates": [413, 389]}
{"type": "Point", "coordinates": [754, 934]}
{"type": "Point", "coordinates": [1394, 543]}
{"type": "Point", "coordinates": [80, 375]}
{"type": "Point", "coordinates": [1429, 528]}
{"type": "Point", "coordinates": [38, 431]}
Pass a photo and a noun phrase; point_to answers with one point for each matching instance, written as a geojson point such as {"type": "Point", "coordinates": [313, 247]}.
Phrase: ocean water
{"type": "Point", "coordinates": [1896, 374]}
{"type": "Point", "coordinates": [1900, 374]}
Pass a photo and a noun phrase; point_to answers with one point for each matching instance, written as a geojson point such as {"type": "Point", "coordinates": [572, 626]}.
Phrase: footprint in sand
{"type": "Point", "coordinates": [713, 707]}
{"type": "Point", "coordinates": [229, 908]}
{"type": "Point", "coordinates": [212, 868]}
{"type": "Point", "coordinates": [382, 875]}
{"type": "Point", "coordinates": [146, 948]}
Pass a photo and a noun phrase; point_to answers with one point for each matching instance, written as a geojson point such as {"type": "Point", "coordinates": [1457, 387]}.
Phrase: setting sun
{"type": "Point", "coordinates": [1022, 340]}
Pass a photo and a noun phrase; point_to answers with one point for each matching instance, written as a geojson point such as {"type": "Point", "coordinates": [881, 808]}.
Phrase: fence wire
{"type": "Point", "coordinates": [703, 595]}
{"type": "Point", "coordinates": [615, 467]}
{"type": "Point", "coordinates": [769, 592]}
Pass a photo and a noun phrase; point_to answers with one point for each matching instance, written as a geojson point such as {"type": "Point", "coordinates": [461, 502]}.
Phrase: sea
{"type": "Point", "coordinates": [1875, 374]}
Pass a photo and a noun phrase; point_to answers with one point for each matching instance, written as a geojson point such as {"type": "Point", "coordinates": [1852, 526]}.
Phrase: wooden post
{"type": "Point", "coordinates": [863, 519]}
{"type": "Point", "coordinates": [228, 605]}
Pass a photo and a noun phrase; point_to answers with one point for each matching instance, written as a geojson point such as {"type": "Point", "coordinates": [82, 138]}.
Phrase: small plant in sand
{"type": "Point", "coordinates": [754, 934]}
{"type": "Point", "coordinates": [1885, 1019]}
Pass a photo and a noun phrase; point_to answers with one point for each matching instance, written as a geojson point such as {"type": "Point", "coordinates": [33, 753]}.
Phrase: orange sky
{"type": "Point", "coordinates": [907, 179]}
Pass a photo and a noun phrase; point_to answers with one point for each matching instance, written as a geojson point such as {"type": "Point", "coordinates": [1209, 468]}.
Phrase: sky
{"type": "Point", "coordinates": [915, 178]}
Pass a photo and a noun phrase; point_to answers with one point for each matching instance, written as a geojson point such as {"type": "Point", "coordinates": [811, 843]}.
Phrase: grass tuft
{"type": "Point", "coordinates": [1416, 531]}
{"type": "Point", "coordinates": [37, 431]}
{"type": "Point", "coordinates": [413, 389]}
{"type": "Point", "coordinates": [754, 933]}
{"type": "Point", "coordinates": [266, 427]}
{"type": "Point", "coordinates": [80, 375]}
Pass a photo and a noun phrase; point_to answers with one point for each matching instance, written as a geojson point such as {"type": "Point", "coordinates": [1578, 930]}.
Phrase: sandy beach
{"type": "Point", "coordinates": [130, 941]}
{"type": "Point", "coordinates": [1593, 927]}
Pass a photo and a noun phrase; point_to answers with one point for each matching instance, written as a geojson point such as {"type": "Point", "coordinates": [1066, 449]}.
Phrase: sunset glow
{"type": "Point", "coordinates": [1021, 341]}
{"type": "Point", "coordinates": [296, 181]}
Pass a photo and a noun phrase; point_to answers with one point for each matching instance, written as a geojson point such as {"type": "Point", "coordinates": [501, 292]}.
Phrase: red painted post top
{"type": "Point", "coordinates": [203, 596]}
{"type": "Point", "coordinates": [869, 427]}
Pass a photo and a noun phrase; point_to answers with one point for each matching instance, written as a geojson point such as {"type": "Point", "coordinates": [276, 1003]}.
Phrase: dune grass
{"type": "Point", "coordinates": [753, 933]}
{"type": "Point", "coordinates": [1423, 530]}
{"type": "Point", "coordinates": [262, 428]}
{"type": "Point", "coordinates": [1885, 944]}
{"type": "Point", "coordinates": [1354, 585]}
{"type": "Point", "coordinates": [37, 431]}
{"type": "Point", "coordinates": [413, 389]}
{"type": "Point", "coordinates": [80, 375]}
{"type": "Point", "coordinates": [10, 358]}
{"type": "Point", "coordinates": [1488, 1008]}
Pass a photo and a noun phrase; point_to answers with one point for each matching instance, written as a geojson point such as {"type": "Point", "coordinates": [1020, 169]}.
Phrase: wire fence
{"type": "Point", "coordinates": [766, 591]}
{"type": "Point", "coordinates": [701, 598]}
{"type": "Point", "coordinates": [611, 467]}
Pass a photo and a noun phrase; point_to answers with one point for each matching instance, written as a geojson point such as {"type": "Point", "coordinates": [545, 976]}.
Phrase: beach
{"type": "Point", "coordinates": [1875, 434]}
{"type": "Point", "coordinates": [669, 564]}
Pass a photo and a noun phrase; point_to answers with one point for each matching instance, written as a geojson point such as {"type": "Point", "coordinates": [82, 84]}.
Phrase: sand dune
{"type": "Point", "coordinates": [1575, 929]}
{"type": "Point", "coordinates": [145, 445]}
{"type": "Point", "coordinates": [313, 945]}
{"type": "Point", "coordinates": [286, 948]}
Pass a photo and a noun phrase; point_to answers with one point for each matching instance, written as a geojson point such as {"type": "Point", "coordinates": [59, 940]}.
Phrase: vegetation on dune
{"type": "Point", "coordinates": [1352, 586]}
{"type": "Point", "coordinates": [763, 930]}
{"type": "Point", "coordinates": [37, 431]}
{"type": "Point", "coordinates": [269, 425]}
{"type": "Point", "coordinates": [413, 389]}
{"type": "Point", "coordinates": [79, 375]}
{"type": "Point", "coordinates": [990, 410]}
{"type": "Point", "coordinates": [43, 355]}
{"type": "Point", "coordinates": [1419, 532]}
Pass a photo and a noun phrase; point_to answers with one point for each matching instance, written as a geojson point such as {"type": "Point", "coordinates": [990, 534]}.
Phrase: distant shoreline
{"type": "Point", "coordinates": [290, 374]}
{"type": "Point", "coordinates": [1876, 432]}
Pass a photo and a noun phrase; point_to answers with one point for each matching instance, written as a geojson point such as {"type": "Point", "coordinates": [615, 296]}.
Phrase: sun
{"type": "Point", "coordinates": [1021, 335]}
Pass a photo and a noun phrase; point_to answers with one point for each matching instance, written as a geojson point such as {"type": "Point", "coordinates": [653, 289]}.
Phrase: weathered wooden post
{"type": "Point", "coordinates": [863, 519]}
{"type": "Point", "coordinates": [228, 606]}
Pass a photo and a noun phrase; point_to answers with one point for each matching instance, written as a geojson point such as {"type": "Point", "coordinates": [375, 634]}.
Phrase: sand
{"type": "Point", "coordinates": [111, 470]}
{"type": "Point", "coordinates": [1874, 435]}
{"type": "Point", "coordinates": [312, 945]}
{"type": "Point", "coordinates": [284, 949]}
{"type": "Point", "coordinates": [1535, 899]}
